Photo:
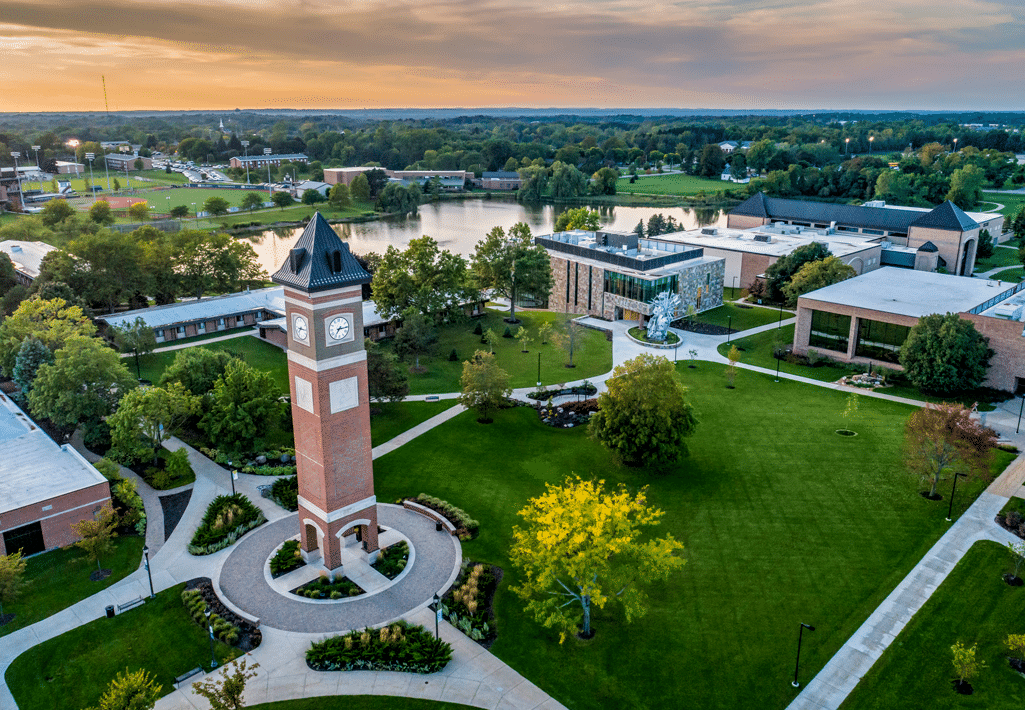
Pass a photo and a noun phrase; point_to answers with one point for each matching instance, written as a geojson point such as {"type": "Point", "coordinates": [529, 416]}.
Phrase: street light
{"type": "Point", "coordinates": [437, 615]}
{"type": "Point", "coordinates": [231, 472]}
{"type": "Point", "coordinates": [266, 151]}
{"type": "Point", "coordinates": [953, 489]}
{"type": "Point", "coordinates": [107, 168]}
{"type": "Point", "coordinates": [539, 370]}
{"type": "Point", "coordinates": [21, 195]}
{"type": "Point", "coordinates": [245, 146]}
{"type": "Point", "coordinates": [870, 139]}
{"type": "Point", "coordinates": [210, 628]}
{"type": "Point", "coordinates": [36, 148]}
{"type": "Point", "coordinates": [955, 145]}
{"type": "Point", "coordinates": [734, 287]}
{"type": "Point", "coordinates": [800, 631]}
{"type": "Point", "coordinates": [92, 186]}
{"type": "Point", "coordinates": [729, 327]}
{"type": "Point", "coordinates": [145, 553]}
{"type": "Point", "coordinates": [847, 145]}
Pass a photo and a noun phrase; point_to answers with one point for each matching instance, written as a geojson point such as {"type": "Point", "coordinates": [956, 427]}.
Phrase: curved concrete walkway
{"type": "Point", "coordinates": [434, 568]}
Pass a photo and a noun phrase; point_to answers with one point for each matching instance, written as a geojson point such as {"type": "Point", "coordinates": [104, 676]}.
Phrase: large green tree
{"type": "Point", "coordinates": [416, 336]}
{"type": "Point", "coordinates": [779, 273]}
{"type": "Point", "coordinates": [422, 277]}
{"type": "Point", "coordinates": [582, 546]}
{"type": "Point", "coordinates": [136, 337]}
{"type": "Point", "coordinates": [56, 211]}
{"type": "Point", "coordinates": [815, 275]}
{"type": "Point", "coordinates": [52, 322]}
{"type": "Point", "coordinates": [603, 182]}
{"type": "Point", "coordinates": [643, 415]}
{"type": "Point", "coordinates": [84, 383]}
{"type": "Point", "coordinates": [252, 200]}
{"type": "Point", "coordinates": [510, 265]}
{"type": "Point", "coordinates": [339, 196]}
{"type": "Point", "coordinates": [712, 161]}
{"type": "Point", "coordinates": [484, 385]}
{"type": "Point", "coordinates": [533, 183]}
{"type": "Point", "coordinates": [945, 354]}
{"type": "Point", "coordinates": [31, 355]}
{"type": "Point", "coordinates": [567, 181]}
{"type": "Point", "coordinates": [966, 187]}
{"type": "Point", "coordinates": [386, 380]}
{"type": "Point", "coordinates": [196, 369]}
{"type": "Point", "coordinates": [216, 206]}
{"type": "Point", "coordinates": [147, 417]}
{"type": "Point", "coordinates": [215, 263]}
{"type": "Point", "coordinates": [578, 218]}
{"type": "Point", "coordinates": [111, 264]}
{"type": "Point", "coordinates": [243, 408]}
{"type": "Point", "coordinates": [100, 213]}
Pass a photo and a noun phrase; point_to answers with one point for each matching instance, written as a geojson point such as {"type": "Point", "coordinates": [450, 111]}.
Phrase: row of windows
{"type": "Point", "coordinates": [830, 331]}
{"type": "Point", "coordinates": [640, 289]}
{"type": "Point", "coordinates": [875, 339]}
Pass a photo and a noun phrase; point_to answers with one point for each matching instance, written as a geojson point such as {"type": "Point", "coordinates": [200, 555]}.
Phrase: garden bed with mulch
{"type": "Point", "coordinates": [702, 328]}
{"type": "Point", "coordinates": [324, 588]}
{"type": "Point", "coordinates": [469, 604]}
{"type": "Point", "coordinates": [568, 414]}
{"type": "Point", "coordinates": [174, 507]}
{"type": "Point", "coordinates": [249, 635]}
{"type": "Point", "coordinates": [1013, 522]}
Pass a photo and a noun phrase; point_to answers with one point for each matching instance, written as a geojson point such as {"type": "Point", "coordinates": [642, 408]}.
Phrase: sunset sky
{"type": "Point", "coordinates": [163, 54]}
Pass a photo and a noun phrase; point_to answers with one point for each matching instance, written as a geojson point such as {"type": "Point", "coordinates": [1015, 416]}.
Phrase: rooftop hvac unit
{"type": "Point", "coordinates": [763, 238]}
{"type": "Point", "coordinates": [709, 231]}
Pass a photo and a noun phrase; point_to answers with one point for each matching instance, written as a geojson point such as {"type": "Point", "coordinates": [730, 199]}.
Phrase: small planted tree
{"type": "Point", "coordinates": [731, 370]}
{"type": "Point", "coordinates": [966, 665]}
{"type": "Point", "coordinates": [941, 440]}
{"type": "Point", "coordinates": [97, 538]}
{"type": "Point", "coordinates": [484, 385]}
{"type": "Point", "coordinates": [226, 691]}
{"type": "Point", "coordinates": [544, 332]}
{"type": "Point", "coordinates": [131, 690]}
{"type": "Point", "coordinates": [850, 411]}
{"type": "Point", "coordinates": [524, 337]}
{"type": "Point", "coordinates": [12, 581]}
{"type": "Point", "coordinates": [1017, 553]}
{"type": "Point", "coordinates": [1016, 644]}
{"type": "Point", "coordinates": [488, 338]}
{"type": "Point", "coordinates": [416, 337]}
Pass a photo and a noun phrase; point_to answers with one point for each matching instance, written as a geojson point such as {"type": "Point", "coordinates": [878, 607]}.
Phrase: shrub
{"type": "Point", "coordinates": [1013, 519]}
{"type": "Point", "coordinates": [507, 333]}
{"type": "Point", "coordinates": [323, 587]}
{"type": "Point", "coordinates": [479, 330]}
{"type": "Point", "coordinates": [467, 606]}
{"type": "Point", "coordinates": [225, 521]}
{"type": "Point", "coordinates": [96, 436]}
{"type": "Point", "coordinates": [285, 492]}
{"type": "Point", "coordinates": [177, 464]}
{"type": "Point", "coordinates": [452, 356]}
{"type": "Point", "coordinates": [286, 559]}
{"type": "Point", "coordinates": [399, 647]}
{"type": "Point", "coordinates": [458, 517]}
{"type": "Point", "coordinates": [129, 500]}
{"type": "Point", "coordinates": [196, 605]}
{"type": "Point", "coordinates": [392, 560]}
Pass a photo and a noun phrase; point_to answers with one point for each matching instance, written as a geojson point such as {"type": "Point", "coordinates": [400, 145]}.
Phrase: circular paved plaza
{"type": "Point", "coordinates": [242, 580]}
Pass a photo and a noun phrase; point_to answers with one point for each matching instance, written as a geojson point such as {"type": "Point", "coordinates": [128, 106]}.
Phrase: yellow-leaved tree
{"type": "Point", "coordinates": [580, 548]}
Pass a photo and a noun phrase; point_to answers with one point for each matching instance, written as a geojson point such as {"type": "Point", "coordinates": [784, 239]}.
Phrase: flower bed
{"type": "Point", "coordinates": [392, 560]}
{"type": "Point", "coordinates": [198, 595]}
{"type": "Point", "coordinates": [286, 559]}
{"type": "Point", "coordinates": [468, 605]}
{"type": "Point", "coordinates": [325, 588]}
{"type": "Point", "coordinates": [285, 492]}
{"type": "Point", "coordinates": [400, 647]}
{"type": "Point", "coordinates": [568, 414]}
{"type": "Point", "coordinates": [544, 394]}
{"type": "Point", "coordinates": [466, 527]}
{"type": "Point", "coordinates": [226, 520]}
{"type": "Point", "coordinates": [277, 462]}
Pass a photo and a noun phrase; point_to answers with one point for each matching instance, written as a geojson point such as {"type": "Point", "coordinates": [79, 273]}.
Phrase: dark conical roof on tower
{"type": "Point", "coordinates": [320, 260]}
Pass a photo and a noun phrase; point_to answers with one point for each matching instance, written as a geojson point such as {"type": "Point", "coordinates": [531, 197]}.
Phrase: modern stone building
{"type": "Point", "coordinates": [615, 275]}
{"type": "Point", "coordinates": [866, 319]}
{"type": "Point", "coordinates": [952, 232]}
{"type": "Point", "coordinates": [44, 489]}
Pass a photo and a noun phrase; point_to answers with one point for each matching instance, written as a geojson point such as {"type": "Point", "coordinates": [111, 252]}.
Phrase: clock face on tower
{"type": "Point", "coordinates": [339, 329]}
{"type": "Point", "coordinates": [300, 329]}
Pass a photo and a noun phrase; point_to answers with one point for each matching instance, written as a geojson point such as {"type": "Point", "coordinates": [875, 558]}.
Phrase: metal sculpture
{"type": "Point", "coordinates": [663, 310]}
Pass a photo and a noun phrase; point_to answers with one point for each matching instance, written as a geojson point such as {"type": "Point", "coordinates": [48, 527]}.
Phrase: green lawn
{"type": "Point", "coordinates": [389, 419]}
{"type": "Point", "coordinates": [1002, 256]}
{"type": "Point", "coordinates": [258, 353]}
{"type": "Point", "coordinates": [1011, 202]}
{"type": "Point", "coordinates": [295, 213]}
{"type": "Point", "coordinates": [973, 605]}
{"type": "Point", "coordinates": [359, 702]}
{"type": "Point", "coordinates": [592, 354]}
{"type": "Point", "coordinates": [783, 521]}
{"type": "Point", "coordinates": [671, 185]}
{"type": "Point", "coordinates": [73, 669]}
{"type": "Point", "coordinates": [1012, 275]}
{"type": "Point", "coordinates": [741, 317]}
{"type": "Point", "coordinates": [57, 579]}
{"type": "Point", "coordinates": [757, 350]}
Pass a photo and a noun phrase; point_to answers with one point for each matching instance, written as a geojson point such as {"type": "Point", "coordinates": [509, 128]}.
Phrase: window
{"type": "Point", "coordinates": [639, 289]}
{"type": "Point", "coordinates": [830, 331]}
{"type": "Point", "coordinates": [880, 341]}
{"type": "Point", "coordinates": [201, 327]}
{"type": "Point", "coordinates": [181, 330]}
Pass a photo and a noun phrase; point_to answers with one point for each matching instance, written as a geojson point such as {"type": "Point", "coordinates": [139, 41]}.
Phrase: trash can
{"type": "Point", "coordinates": [110, 611]}
{"type": "Point", "coordinates": [437, 526]}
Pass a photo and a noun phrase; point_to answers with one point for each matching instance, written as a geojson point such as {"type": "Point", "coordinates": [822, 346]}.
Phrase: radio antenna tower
{"type": "Point", "coordinates": [105, 102]}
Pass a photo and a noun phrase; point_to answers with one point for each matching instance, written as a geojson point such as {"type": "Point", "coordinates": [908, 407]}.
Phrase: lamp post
{"type": "Point", "coordinates": [210, 628]}
{"type": "Point", "coordinates": [846, 145]}
{"type": "Point", "coordinates": [21, 195]}
{"type": "Point", "coordinates": [539, 370]}
{"type": "Point", "coordinates": [870, 139]}
{"type": "Point", "coordinates": [953, 489]}
{"type": "Point", "coordinates": [231, 472]}
{"type": "Point", "coordinates": [92, 186]}
{"type": "Point", "coordinates": [266, 152]}
{"type": "Point", "coordinates": [106, 167]}
{"type": "Point", "coordinates": [36, 148]}
{"type": "Point", "coordinates": [955, 145]}
{"type": "Point", "coordinates": [437, 615]}
{"type": "Point", "coordinates": [780, 323]}
{"type": "Point", "coordinates": [734, 288]}
{"type": "Point", "coordinates": [197, 214]}
{"type": "Point", "coordinates": [729, 327]}
{"type": "Point", "coordinates": [800, 632]}
{"type": "Point", "coordinates": [149, 573]}
{"type": "Point", "coordinates": [245, 147]}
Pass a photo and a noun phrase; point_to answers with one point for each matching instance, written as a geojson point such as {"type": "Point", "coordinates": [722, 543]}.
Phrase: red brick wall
{"type": "Point", "coordinates": [1005, 339]}
{"type": "Point", "coordinates": [56, 523]}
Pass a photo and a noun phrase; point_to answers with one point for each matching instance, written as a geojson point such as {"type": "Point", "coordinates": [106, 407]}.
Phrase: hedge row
{"type": "Point", "coordinates": [196, 606]}
{"type": "Point", "coordinates": [457, 516]}
{"type": "Point", "coordinates": [399, 647]}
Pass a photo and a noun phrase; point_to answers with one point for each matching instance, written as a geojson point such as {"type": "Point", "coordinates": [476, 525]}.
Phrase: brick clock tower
{"type": "Point", "coordinates": [327, 370]}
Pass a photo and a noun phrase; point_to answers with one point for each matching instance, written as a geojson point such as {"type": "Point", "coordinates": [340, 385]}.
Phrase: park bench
{"type": "Point", "coordinates": [440, 520]}
{"type": "Point", "coordinates": [129, 604]}
{"type": "Point", "coordinates": [185, 676]}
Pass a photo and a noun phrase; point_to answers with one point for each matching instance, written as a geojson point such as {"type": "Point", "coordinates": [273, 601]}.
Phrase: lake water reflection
{"type": "Point", "coordinates": [459, 224]}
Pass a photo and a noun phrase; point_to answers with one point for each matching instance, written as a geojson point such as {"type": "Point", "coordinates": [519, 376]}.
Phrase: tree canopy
{"type": "Point", "coordinates": [511, 265]}
{"type": "Point", "coordinates": [945, 354]}
{"type": "Point", "coordinates": [484, 385]}
{"type": "Point", "coordinates": [578, 218]}
{"type": "Point", "coordinates": [196, 369]}
{"type": "Point", "coordinates": [582, 546]}
{"type": "Point", "coordinates": [780, 272]}
{"type": "Point", "coordinates": [52, 322]}
{"type": "Point", "coordinates": [643, 415]}
{"type": "Point", "coordinates": [386, 380]}
{"type": "Point", "coordinates": [422, 277]}
{"type": "Point", "coordinates": [815, 275]}
{"type": "Point", "coordinates": [243, 407]}
{"type": "Point", "coordinates": [146, 417]}
{"type": "Point", "coordinates": [943, 439]}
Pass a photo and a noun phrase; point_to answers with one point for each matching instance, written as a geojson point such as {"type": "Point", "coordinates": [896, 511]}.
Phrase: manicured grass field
{"type": "Point", "coordinates": [672, 185]}
{"type": "Point", "coordinates": [295, 213]}
{"type": "Point", "coordinates": [1012, 275]}
{"type": "Point", "coordinates": [592, 354]}
{"type": "Point", "coordinates": [389, 419]}
{"type": "Point", "coordinates": [1011, 202]}
{"type": "Point", "coordinates": [973, 605]}
{"type": "Point", "coordinates": [74, 669]}
{"type": "Point", "coordinates": [358, 702]}
{"type": "Point", "coordinates": [757, 350]}
{"type": "Point", "coordinates": [258, 353]}
{"type": "Point", "coordinates": [741, 317]}
{"type": "Point", "coordinates": [783, 521]}
{"type": "Point", "coordinates": [1002, 256]}
{"type": "Point", "coordinates": [57, 579]}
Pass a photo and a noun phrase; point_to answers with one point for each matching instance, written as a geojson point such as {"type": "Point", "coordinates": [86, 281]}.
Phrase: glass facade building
{"type": "Point", "coordinates": [880, 341]}
{"type": "Point", "coordinates": [638, 289]}
{"type": "Point", "coordinates": [830, 331]}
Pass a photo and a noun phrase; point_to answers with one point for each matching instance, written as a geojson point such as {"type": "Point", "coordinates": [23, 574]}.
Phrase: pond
{"type": "Point", "coordinates": [458, 225]}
